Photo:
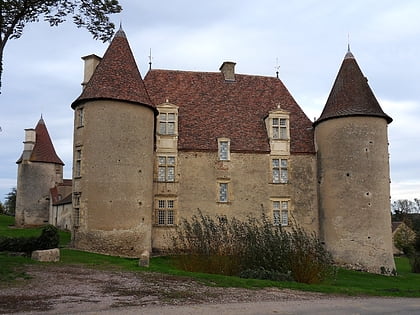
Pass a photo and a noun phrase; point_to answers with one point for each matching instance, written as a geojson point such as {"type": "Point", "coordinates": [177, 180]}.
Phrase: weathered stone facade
{"type": "Point", "coordinates": [150, 152]}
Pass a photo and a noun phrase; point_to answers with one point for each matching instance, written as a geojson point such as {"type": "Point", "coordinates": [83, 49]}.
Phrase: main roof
{"type": "Point", "coordinates": [351, 94]}
{"type": "Point", "coordinates": [43, 150]}
{"type": "Point", "coordinates": [116, 77]}
{"type": "Point", "coordinates": [211, 108]}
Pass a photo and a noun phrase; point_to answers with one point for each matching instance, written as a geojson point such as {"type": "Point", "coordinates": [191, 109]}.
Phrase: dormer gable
{"type": "Point", "coordinates": [167, 127]}
{"type": "Point", "coordinates": [278, 131]}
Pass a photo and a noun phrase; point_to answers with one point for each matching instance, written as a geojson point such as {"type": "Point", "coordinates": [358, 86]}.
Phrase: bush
{"type": "Point", "coordinates": [252, 248]}
{"type": "Point", "coordinates": [48, 239]}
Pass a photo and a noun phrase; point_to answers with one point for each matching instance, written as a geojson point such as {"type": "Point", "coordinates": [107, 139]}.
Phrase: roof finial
{"type": "Point", "coordinates": [120, 32]}
{"type": "Point", "coordinates": [150, 59]}
{"type": "Point", "coordinates": [277, 67]}
{"type": "Point", "coordinates": [348, 55]}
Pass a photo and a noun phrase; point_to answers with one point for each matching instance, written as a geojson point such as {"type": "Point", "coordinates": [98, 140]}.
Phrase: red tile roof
{"type": "Point", "coordinates": [116, 77]}
{"type": "Point", "coordinates": [351, 94]}
{"type": "Point", "coordinates": [210, 107]}
{"type": "Point", "coordinates": [43, 150]}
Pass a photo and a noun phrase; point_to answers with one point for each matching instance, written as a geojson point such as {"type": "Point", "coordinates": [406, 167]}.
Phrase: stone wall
{"type": "Point", "coordinates": [250, 188]}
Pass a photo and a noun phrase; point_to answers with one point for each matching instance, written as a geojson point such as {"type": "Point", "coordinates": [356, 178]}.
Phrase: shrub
{"type": "Point", "coordinates": [251, 248]}
{"type": "Point", "coordinates": [48, 239]}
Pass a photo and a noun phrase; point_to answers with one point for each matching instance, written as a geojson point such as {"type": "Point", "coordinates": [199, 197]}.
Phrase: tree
{"type": "Point", "coordinates": [90, 14]}
{"type": "Point", "coordinates": [10, 202]}
{"type": "Point", "coordinates": [403, 208]}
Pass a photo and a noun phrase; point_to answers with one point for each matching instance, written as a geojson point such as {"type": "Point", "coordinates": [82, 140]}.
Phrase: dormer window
{"type": "Point", "coordinates": [224, 149]}
{"type": "Point", "coordinates": [167, 120]}
{"type": "Point", "coordinates": [167, 123]}
{"type": "Point", "coordinates": [278, 131]}
{"type": "Point", "coordinates": [279, 126]}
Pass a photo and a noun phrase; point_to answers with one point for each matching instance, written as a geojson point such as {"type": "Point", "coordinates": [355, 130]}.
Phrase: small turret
{"type": "Point", "coordinates": [39, 169]}
{"type": "Point", "coordinates": [353, 173]}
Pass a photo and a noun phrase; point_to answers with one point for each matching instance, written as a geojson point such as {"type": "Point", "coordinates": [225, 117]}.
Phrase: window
{"type": "Point", "coordinates": [167, 123]}
{"type": "Point", "coordinates": [76, 209]}
{"type": "Point", "coordinates": [279, 170]}
{"type": "Point", "coordinates": [80, 117]}
{"type": "Point", "coordinates": [224, 149]}
{"type": "Point", "coordinates": [280, 212]}
{"type": "Point", "coordinates": [165, 212]}
{"type": "Point", "coordinates": [279, 128]}
{"type": "Point", "coordinates": [78, 164]}
{"type": "Point", "coordinates": [166, 169]}
{"type": "Point", "coordinates": [223, 192]}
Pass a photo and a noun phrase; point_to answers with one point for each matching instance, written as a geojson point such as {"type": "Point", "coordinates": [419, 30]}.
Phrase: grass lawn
{"type": "Point", "coordinates": [348, 282]}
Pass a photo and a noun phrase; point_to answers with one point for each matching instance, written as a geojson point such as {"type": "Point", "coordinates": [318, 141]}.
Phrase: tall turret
{"type": "Point", "coordinates": [113, 155]}
{"type": "Point", "coordinates": [39, 169]}
{"type": "Point", "coordinates": [353, 173]}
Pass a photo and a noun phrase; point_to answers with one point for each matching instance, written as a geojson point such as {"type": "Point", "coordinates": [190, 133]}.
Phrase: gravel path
{"type": "Point", "coordinates": [64, 289]}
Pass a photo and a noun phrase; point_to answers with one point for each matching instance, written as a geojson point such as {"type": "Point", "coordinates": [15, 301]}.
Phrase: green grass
{"type": "Point", "coordinates": [348, 282]}
{"type": "Point", "coordinates": [8, 230]}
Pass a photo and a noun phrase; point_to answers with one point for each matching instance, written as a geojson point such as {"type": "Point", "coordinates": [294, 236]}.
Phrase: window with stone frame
{"type": "Point", "coordinates": [223, 192]}
{"type": "Point", "coordinates": [167, 123]}
{"type": "Point", "coordinates": [78, 163]}
{"type": "Point", "coordinates": [165, 212]}
{"type": "Point", "coordinates": [279, 128]}
{"type": "Point", "coordinates": [76, 209]}
{"type": "Point", "coordinates": [280, 210]}
{"type": "Point", "coordinates": [166, 168]}
{"type": "Point", "coordinates": [80, 117]}
{"type": "Point", "coordinates": [279, 169]}
{"type": "Point", "coordinates": [224, 149]}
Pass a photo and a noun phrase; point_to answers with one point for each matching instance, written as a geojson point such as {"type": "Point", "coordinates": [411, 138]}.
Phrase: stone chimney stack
{"type": "Point", "coordinates": [228, 70]}
{"type": "Point", "coordinates": [29, 143]}
{"type": "Point", "coordinates": [91, 62]}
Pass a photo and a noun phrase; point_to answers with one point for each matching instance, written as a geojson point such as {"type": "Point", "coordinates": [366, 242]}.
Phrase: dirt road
{"type": "Point", "coordinates": [78, 290]}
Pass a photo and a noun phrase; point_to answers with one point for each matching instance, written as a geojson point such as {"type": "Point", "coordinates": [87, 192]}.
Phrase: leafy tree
{"type": "Point", "coordinates": [10, 202]}
{"type": "Point", "coordinates": [2, 210]}
{"type": "Point", "coordinates": [404, 239]}
{"type": "Point", "coordinates": [90, 14]}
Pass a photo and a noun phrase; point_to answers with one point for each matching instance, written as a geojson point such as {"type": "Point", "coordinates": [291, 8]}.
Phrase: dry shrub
{"type": "Point", "coordinates": [251, 248]}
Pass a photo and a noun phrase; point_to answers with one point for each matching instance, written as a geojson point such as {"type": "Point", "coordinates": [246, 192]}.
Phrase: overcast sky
{"type": "Point", "coordinates": [306, 39]}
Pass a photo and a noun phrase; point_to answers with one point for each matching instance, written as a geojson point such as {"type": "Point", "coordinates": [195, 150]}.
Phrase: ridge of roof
{"type": "Point", "coordinates": [43, 150]}
{"type": "Point", "coordinates": [116, 77]}
{"type": "Point", "coordinates": [351, 94]}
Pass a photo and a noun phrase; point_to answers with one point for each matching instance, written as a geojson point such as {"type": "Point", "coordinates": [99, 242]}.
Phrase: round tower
{"type": "Point", "coordinates": [113, 156]}
{"type": "Point", "coordinates": [39, 170]}
{"type": "Point", "coordinates": [353, 174]}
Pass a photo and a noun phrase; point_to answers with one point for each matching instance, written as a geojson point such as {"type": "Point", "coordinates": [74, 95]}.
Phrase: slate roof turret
{"type": "Point", "coordinates": [351, 94]}
{"type": "Point", "coordinates": [116, 77]}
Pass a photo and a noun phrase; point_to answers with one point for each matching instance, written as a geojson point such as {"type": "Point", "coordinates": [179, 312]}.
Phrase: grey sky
{"type": "Point", "coordinates": [308, 39]}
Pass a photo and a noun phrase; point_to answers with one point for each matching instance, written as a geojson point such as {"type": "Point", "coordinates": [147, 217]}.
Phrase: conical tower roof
{"type": "Point", "coordinates": [116, 77]}
{"type": "Point", "coordinates": [351, 94]}
{"type": "Point", "coordinates": [43, 150]}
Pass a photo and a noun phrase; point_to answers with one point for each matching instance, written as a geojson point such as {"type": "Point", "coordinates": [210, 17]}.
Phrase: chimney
{"type": "Point", "coordinates": [29, 143]}
{"type": "Point", "coordinates": [228, 70]}
{"type": "Point", "coordinates": [91, 62]}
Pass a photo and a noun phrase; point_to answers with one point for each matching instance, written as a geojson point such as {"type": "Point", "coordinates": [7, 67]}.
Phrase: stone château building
{"type": "Point", "coordinates": [148, 152]}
